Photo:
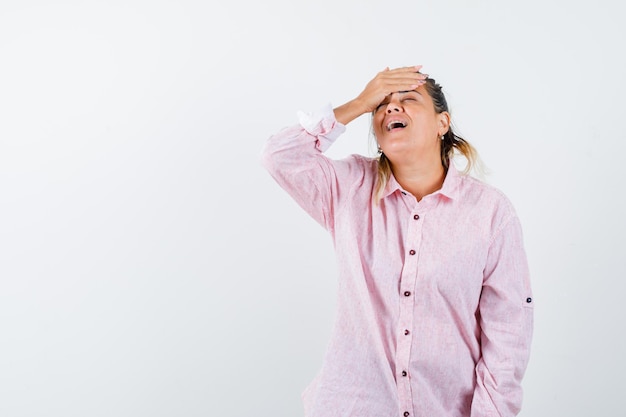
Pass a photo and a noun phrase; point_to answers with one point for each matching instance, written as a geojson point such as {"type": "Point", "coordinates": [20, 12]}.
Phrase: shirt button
{"type": "Point", "coordinates": [416, 217]}
{"type": "Point", "coordinates": [407, 414]}
{"type": "Point", "coordinates": [411, 252]}
{"type": "Point", "coordinates": [529, 300]}
{"type": "Point", "coordinates": [407, 293]}
{"type": "Point", "coordinates": [404, 373]}
{"type": "Point", "coordinates": [406, 332]}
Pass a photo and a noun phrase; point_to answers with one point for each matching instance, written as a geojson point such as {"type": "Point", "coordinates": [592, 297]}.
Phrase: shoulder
{"type": "Point", "coordinates": [486, 199]}
{"type": "Point", "coordinates": [356, 166]}
{"type": "Point", "coordinates": [473, 186]}
{"type": "Point", "coordinates": [366, 161]}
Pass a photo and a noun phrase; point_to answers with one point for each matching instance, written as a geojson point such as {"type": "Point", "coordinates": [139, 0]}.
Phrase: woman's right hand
{"type": "Point", "coordinates": [388, 82]}
{"type": "Point", "coordinates": [383, 84]}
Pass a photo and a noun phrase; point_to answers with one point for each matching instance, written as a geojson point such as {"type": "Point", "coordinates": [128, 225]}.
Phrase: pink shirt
{"type": "Point", "coordinates": [435, 308]}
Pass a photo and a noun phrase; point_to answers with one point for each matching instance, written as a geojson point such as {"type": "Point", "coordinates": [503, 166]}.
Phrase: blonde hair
{"type": "Point", "coordinates": [451, 145]}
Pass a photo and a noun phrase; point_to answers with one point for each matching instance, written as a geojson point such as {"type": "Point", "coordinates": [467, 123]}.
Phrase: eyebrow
{"type": "Point", "coordinates": [386, 99]}
{"type": "Point", "coordinates": [401, 92]}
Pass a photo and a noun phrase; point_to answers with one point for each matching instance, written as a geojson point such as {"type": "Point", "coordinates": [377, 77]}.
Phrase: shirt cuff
{"type": "Point", "coordinates": [323, 125]}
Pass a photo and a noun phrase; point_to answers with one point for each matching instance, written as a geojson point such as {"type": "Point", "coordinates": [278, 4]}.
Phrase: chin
{"type": "Point", "coordinates": [397, 148]}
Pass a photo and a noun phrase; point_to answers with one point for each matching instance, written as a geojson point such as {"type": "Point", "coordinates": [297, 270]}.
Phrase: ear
{"type": "Point", "coordinates": [443, 122]}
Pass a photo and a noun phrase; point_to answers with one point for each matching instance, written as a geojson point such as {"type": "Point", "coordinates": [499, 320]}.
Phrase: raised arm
{"type": "Point", "coordinates": [294, 156]}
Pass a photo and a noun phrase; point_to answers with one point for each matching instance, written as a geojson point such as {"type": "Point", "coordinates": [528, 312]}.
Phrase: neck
{"type": "Point", "coordinates": [420, 179]}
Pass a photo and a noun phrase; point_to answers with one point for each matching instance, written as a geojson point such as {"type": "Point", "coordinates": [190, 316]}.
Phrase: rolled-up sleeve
{"type": "Point", "coordinates": [506, 321]}
{"type": "Point", "coordinates": [294, 157]}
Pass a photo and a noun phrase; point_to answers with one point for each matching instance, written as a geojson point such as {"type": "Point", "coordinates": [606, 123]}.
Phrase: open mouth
{"type": "Point", "coordinates": [395, 124]}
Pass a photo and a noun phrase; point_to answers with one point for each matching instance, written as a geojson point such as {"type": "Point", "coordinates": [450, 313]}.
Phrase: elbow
{"type": "Point", "coordinates": [268, 159]}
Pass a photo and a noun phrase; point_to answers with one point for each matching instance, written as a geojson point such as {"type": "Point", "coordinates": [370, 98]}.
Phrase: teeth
{"type": "Point", "coordinates": [395, 123]}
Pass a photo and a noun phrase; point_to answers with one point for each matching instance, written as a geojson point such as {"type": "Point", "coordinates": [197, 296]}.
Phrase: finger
{"type": "Point", "coordinates": [407, 81]}
{"type": "Point", "coordinates": [412, 68]}
{"type": "Point", "coordinates": [389, 75]}
{"type": "Point", "coordinates": [406, 85]}
{"type": "Point", "coordinates": [405, 77]}
{"type": "Point", "coordinates": [403, 70]}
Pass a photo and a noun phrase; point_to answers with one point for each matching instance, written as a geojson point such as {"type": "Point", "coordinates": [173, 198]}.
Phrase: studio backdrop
{"type": "Point", "coordinates": [149, 266]}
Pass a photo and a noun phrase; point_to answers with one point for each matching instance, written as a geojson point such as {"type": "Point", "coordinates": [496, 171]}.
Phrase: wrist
{"type": "Point", "coordinates": [350, 111]}
{"type": "Point", "coordinates": [360, 106]}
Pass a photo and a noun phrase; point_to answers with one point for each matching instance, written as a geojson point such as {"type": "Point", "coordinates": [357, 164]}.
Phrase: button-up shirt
{"type": "Point", "coordinates": [434, 302]}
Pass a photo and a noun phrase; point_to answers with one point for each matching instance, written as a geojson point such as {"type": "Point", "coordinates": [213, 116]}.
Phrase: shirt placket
{"type": "Point", "coordinates": [406, 314]}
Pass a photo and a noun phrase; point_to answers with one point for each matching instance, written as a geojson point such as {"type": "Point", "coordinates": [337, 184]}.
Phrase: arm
{"type": "Point", "coordinates": [506, 320]}
{"type": "Point", "coordinates": [294, 156]}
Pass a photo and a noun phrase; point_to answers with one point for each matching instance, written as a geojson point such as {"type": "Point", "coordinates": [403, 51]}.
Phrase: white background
{"type": "Point", "coordinates": [150, 267]}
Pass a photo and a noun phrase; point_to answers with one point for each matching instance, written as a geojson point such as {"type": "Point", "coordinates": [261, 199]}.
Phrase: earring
{"type": "Point", "coordinates": [443, 137]}
{"type": "Point", "coordinates": [380, 151]}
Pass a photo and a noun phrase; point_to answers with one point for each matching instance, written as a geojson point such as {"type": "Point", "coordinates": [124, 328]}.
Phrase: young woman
{"type": "Point", "coordinates": [435, 307]}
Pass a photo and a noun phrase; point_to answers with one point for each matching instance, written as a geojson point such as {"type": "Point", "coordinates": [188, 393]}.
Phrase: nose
{"type": "Point", "coordinates": [392, 107]}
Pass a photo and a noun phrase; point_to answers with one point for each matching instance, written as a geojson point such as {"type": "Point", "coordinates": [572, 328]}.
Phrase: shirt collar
{"type": "Point", "coordinates": [449, 188]}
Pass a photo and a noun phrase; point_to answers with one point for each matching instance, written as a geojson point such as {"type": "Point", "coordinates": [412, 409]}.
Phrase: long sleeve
{"type": "Point", "coordinates": [506, 320]}
{"type": "Point", "coordinates": [412, 274]}
{"type": "Point", "coordinates": [294, 157]}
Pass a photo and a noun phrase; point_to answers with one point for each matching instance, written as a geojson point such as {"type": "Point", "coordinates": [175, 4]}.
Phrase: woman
{"type": "Point", "coordinates": [434, 309]}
